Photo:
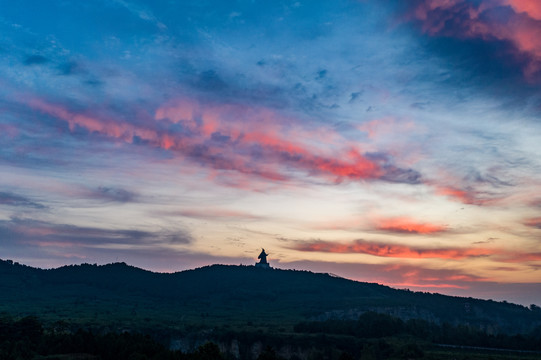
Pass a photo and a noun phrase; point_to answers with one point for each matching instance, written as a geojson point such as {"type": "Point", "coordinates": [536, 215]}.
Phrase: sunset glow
{"type": "Point", "coordinates": [385, 141]}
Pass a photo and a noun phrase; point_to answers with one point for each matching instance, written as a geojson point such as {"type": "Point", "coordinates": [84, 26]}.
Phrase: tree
{"type": "Point", "coordinates": [268, 354]}
{"type": "Point", "coordinates": [208, 351]}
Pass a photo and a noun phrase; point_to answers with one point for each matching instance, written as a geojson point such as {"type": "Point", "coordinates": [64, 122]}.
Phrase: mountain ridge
{"type": "Point", "coordinates": [216, 295]}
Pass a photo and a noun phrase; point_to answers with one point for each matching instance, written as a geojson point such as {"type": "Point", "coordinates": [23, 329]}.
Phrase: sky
{"type": "Point", "coordinates": [396, 142]}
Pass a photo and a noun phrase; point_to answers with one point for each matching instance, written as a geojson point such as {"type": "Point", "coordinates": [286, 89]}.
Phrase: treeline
{"type": "Point", "coordinates": [376, 325]}
{"type": "Point", "coordinates": [27, 338]}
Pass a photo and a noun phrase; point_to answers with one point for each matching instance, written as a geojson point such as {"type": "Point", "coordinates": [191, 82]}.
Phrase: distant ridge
{"type": "Point", "coordinates": [229, 294]}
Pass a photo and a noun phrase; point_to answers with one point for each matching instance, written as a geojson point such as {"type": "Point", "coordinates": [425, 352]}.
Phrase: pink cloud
{"type": "Point", "coordinates": [476, 20]}
{"type": "Point", "coordinates": [531, 8]}
{"type": "Point", "coordinates": [386, 126]}
{"type": "Point", "coordinates": [9, 130]}
{"type": "Point", "coordinates": [464, 196]}
{"type": "Point", "coordinates": [391, 250]}
{"type": "Point", "coordinates": [275, 136]}
{"type": "Point", "coordinates": [451, 281]}
{"type": "Point", "coordinates": [410, 276]}
{"type": "Point", "coordinates": [406, 225]}
{"type": "Point", "coordinates": [254, 141]}
{"type": "Point", "coordinates": [533, 222]}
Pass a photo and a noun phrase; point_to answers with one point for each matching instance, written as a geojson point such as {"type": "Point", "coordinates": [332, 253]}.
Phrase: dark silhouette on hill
{"type": "Point", "coordinates": [263, 263]}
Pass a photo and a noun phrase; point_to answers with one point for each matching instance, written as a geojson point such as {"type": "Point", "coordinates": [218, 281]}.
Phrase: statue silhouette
{"type": "Point", "coordinates": [263, 263]}
{"type": "Point", "coordinates": [263, 257]}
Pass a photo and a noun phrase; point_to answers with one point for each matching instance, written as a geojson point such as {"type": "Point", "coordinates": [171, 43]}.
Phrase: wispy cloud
{"type": "Point", "coordinates": [141, 12]}
{"type": "Point", "coordinates": [533, 222]}
{"type": "Point", "coordinates": [404, 225]}
{"type": "Point", "coordinates": [415, 277]}
{"type": "Point", "coordinates": [391, 250]}
{"type": "Point", "coordinates": [217, 214]}
{"type": "Point", "coordinates": [113, 194]}
{"type": "Point", "coordinates": [44, 234]}
{"type": "Point", "coordinates": [12, 199]}
{"type": "Point", "coordinates": [466, 195]}
{"type": "Point", "coordinates": [252, 141]}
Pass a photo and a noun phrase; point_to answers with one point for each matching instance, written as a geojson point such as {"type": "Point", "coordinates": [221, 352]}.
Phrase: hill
{"type": "Point", "coordinates": [118, 296]}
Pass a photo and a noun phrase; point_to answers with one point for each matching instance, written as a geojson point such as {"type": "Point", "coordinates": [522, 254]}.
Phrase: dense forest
{"type": "Point", "coordinates": [27, 338]}
{"type": "Point", "coordinates": [375, 325]}
{"type": "Point", "coordinates": [372, 336]}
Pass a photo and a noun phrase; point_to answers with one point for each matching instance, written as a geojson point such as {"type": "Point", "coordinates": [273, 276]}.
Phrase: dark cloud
{"type": "Point", "coordinates": [71, 68]}
{"type": "Point", "coordinates": [487, 241]}
{"type": "Point", "coordinates": [487, 45]}
{"type": "Point", "coordinates": [41, 233]}
{"type": "Point", "coordinates": [489, 179]}
{"type": "Point", "coordinates": [94, 82]}
{"type": "Point", "coordinates": [321, 74]}
{"type": "Point", "coordinates": [209, 80]}
{"type": "Point", "coordinates": [402, 176]}
{"type": "Point", "coordinates": [12, 199]}
{"type": "Point", "coordinates": [221, 86]}
{"type": "Point", "coordinates": [420, 105]}
{"type": "Point", "coordinates": [114, 194]}
{"type": "Point", "coordinates": [35, 60]}
{"type": "Point", "coordinates": [216, 214]}
{"type": "Point", "coordinates": [392, 173]}
{"type": "Point", "coordinates": [355, 96]}
{"type": "Point", "coordinates": [218, 137]}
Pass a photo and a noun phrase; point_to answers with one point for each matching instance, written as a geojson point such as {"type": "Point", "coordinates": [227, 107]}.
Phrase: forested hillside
{"type": "Point", "coordinates": [127, 296]}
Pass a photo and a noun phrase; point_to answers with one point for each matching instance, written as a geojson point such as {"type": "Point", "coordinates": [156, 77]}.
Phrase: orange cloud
{"type": "Point", "coordinates": [391, 250]}
{"type": "Point", "coordinates": [408, 226]}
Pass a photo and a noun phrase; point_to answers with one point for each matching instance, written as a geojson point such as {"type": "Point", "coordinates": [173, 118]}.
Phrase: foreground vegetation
{"type": "Point", "coordinates": [374, 325]}
{"type": "Point", "coordinates": [369, 338]}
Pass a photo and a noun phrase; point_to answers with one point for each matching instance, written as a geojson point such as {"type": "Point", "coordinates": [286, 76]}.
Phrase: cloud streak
{"type": "Point", "coordinates": [12, 199]}
{"type": "Point", "coordinates": [217, 214]}
{"type": "Point", "coordinates": [404, 225]}
{"type": "Point", "coordinates": [113, 194]}
{"type": "Point", "coordinates": [391, 250]}
{"type": "Point", "coordinates": [213, 136]}
{"type": "Point", "coordinates": [533, 222]}
{"type": "Point", "coordinates": [46, 234]}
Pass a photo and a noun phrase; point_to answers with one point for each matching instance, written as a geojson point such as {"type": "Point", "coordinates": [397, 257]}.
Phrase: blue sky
{"type": "Point", "coordinates": [386, 141]}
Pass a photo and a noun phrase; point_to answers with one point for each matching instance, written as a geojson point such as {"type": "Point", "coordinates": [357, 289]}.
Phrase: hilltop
{"type": "Point", "coordinates": [119, 295]}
